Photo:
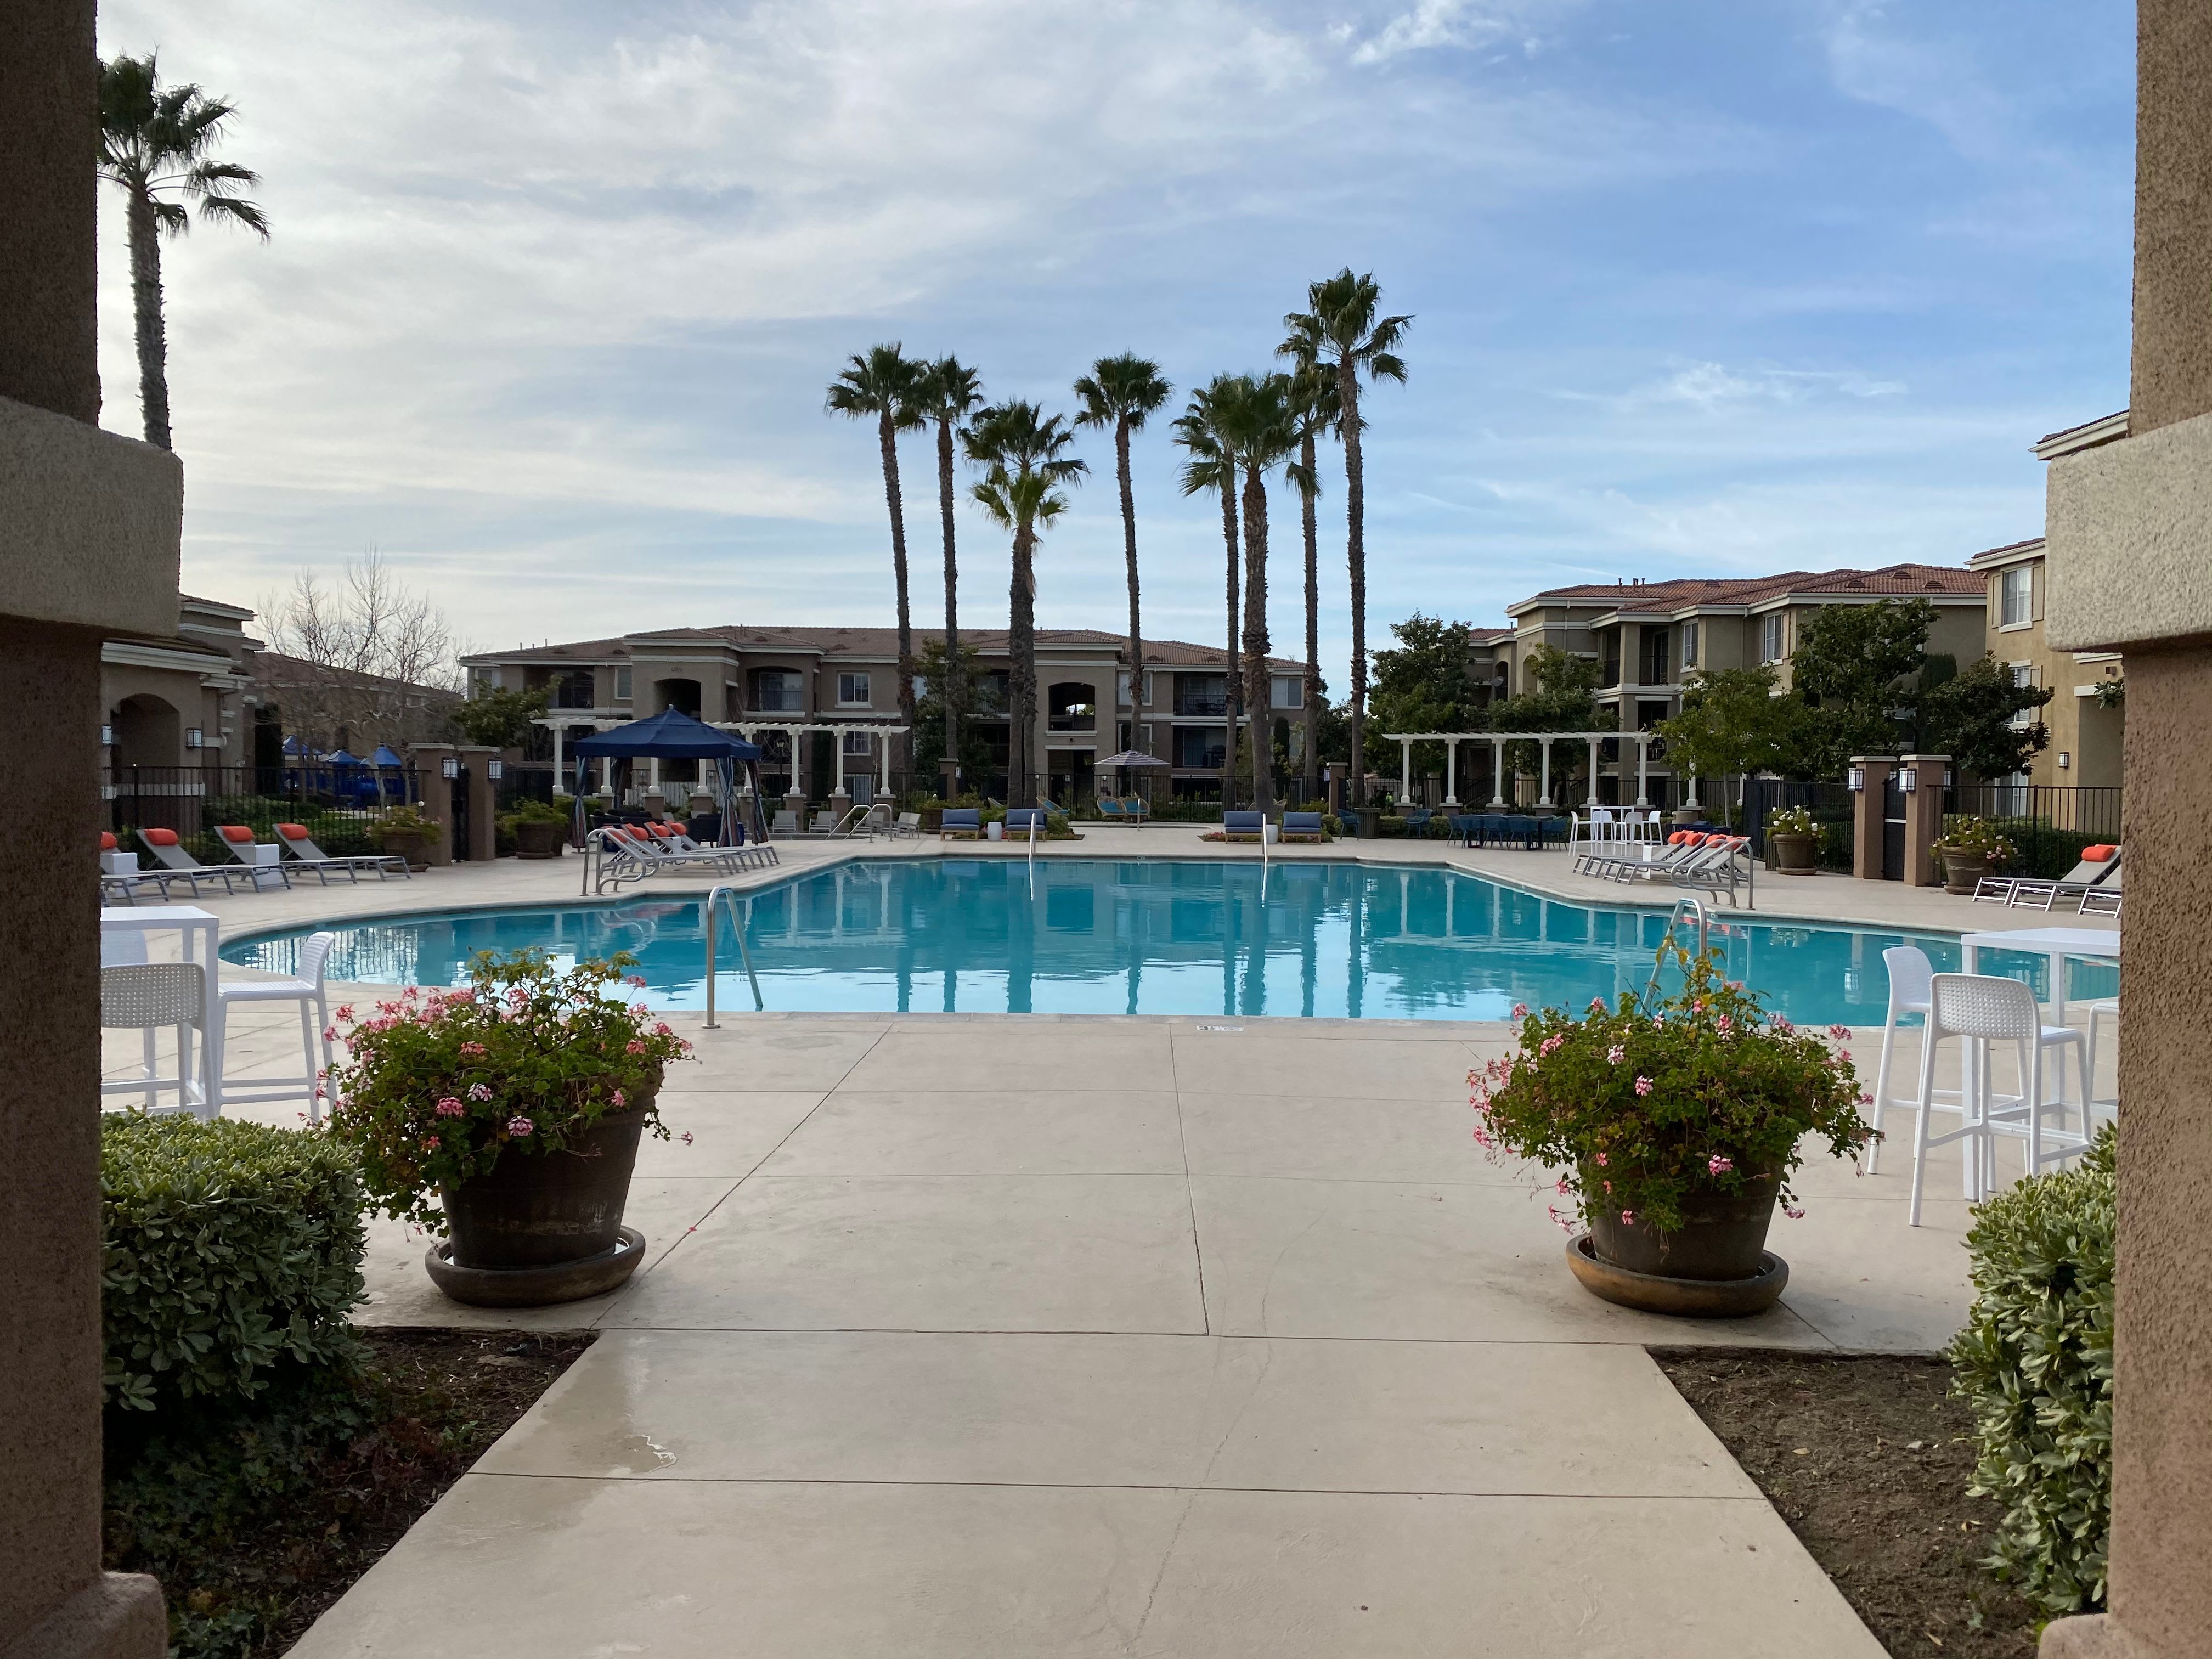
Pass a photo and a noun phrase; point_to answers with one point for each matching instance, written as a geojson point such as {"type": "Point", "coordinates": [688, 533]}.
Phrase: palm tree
{"type": "Point", "coordinates": [882, 385]}
{"type": "Point", "coordinates": [1020, 447]}
{"type": "Point", "coordinates": [1210, 467]}
{"type": "Point", "coordinates": [1120, 392]}
{"type": "Point", "coordinates": [1342, 331]}
{"type": "Point", "coordinates": [154, 144]}
{"type": "Point", "coordinates": [948, 394]}
{"type": "Point", "coordinates": [1260, 428]}
{"type": "Point", "coordinates": [1315, 388]}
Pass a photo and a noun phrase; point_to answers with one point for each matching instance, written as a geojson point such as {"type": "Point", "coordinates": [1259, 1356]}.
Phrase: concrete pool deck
{"type": "Point", "coordinates": [1098, 1335]}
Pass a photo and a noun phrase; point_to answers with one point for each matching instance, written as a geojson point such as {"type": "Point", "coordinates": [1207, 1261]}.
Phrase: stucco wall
{"type": "Point", "coordinates": [49, 272]}
{"type": "Point", "coordinates": [2170, 375]}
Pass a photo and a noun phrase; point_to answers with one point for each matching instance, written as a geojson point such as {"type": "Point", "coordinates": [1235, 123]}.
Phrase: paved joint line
{"type": "Point", "coordinates": [660, 1480]}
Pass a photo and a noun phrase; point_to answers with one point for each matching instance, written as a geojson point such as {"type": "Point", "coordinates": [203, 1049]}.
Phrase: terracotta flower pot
{"type": "Point", "coordinates": [413, 845]}
{"type": "Point", "coordinates": [1715, 1264]}
{"type": "Point", "coordinates": [539, 838]}
{"type": "Point", "coordinates": [1794, 854]}
{"type": "Point", "coordinates": [1963, 872]}
{"type": "Point", "coordinates": [545, 1209]}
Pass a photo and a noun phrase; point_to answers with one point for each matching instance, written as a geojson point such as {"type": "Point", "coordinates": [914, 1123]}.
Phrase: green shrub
{"type": "Point", "coordinates": [228, 1246]}
{"type": "Point", "coordinates": [2035, 1361]}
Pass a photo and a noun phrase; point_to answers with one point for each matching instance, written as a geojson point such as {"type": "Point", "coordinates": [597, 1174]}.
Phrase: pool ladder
{"type": "Point", "coordinates": [1686, 906]}
{"type": "Point", "coordinates": [741, 919]}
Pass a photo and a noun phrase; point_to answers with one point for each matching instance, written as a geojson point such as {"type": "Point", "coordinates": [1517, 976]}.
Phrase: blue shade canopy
{"type": "Point", "coordinates": [668, 735]}
{"type": "Point", "coordinates": [384, 756]}
{"type": "Point", "coordinates": [294, 746]}
{"type": "Point", "coordinates": [341, 757]}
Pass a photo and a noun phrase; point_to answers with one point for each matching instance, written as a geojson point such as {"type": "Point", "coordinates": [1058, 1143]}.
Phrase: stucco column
{"type": "Point", "coordinates": [560, 750]}
{"type": "Point", "coordinates": [483, 800]}
{"type": "Point", "coordinates": [1867, 825]}
{"type": "Point", "coordinates": [1404, 770]}
{"type": "Point", "coordinates": [1592, 801]}
{"type": "Point", "coordinates": [1497, 771]}
{"type": "Point", "coordinates": [1451, 772]}
{"type": "Point", "coordinates": [429, 760]}
{"type": "Point", "coordinates": [2127, 526]}
{"type": "Point", "coordinates": [1543, 747]}
{"type": "Point", "coordinates": [90, 530]}
{"type": "Point", "coordinates": [1923, 818]}
{"type": "Point", "coordinates": [1642, 771]}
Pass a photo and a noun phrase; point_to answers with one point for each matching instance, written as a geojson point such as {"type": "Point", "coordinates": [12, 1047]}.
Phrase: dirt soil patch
{"type": "Point", "coordinates": [428, 1404]}
{"type": "Point", "coordinates": [1868, 1457]}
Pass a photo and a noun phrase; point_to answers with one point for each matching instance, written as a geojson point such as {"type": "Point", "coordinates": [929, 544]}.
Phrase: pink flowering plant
{"type": "Point", "coordinates": [1645, 1102]}
{"type": "Point", "coordinates": [440, 1086]}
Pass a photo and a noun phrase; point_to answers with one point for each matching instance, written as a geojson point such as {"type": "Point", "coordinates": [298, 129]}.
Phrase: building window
{"type": "Point", "coordinates": [1069, 708]}
{"type": "Point", "coordinates": [2023, 674]}
{"type": "Point", "coordinates": [1689, 645]}
{"type": "Point", "coordinates": [777, 691]}
{"type": "Point", "coordinates": [2016, 596]}
{"type": "Point", "coordinates": [1201, 748]}
{"type": "Point", "coordinates": [1654, 668]}
{"type": "Point", "coordinates": [1289, 691]}
{"type": "Point", "coordinates": [1121, 690]}
{"type": "Point", "coordinates": [1201, 694]}
{"type": "Point", "coordinates": [1769, 638]}
{"type": "Point", "coordinates": [858, 744]}
{"type": "Point", "coordinates": [577, 691]}
{"type": "Point", "coordinates": [622, 685]}
{"type": "Point", "coordinates": [852, 692]}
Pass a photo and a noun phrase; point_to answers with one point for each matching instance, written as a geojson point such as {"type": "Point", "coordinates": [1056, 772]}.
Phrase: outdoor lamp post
{"type": "Point", "coordinates": [495, 769]}
{"type": "Point", "coordinates": [195, 738]}
{"type": "Point", "coordinates": [1909, 780]}
{"type": "Point", "coordinates": [1854, 780]}
{"type": "Point", "coordinates": [450, 767]}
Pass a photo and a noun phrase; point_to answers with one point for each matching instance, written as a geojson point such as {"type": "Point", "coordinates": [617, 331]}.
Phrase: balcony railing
{"type": "Point", "coordinates": [1072, 723]}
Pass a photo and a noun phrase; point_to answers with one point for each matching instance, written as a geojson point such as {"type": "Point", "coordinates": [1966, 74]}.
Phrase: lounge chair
{"type": "Point", "coordinates": [824, 822]}
{"type": "Point", "coordinates": [1244, 826]}
{"type": "Point", "coordinates": [300, 847]}
{"type": "Point", "coordinates": [628, 853]}
{"type": "Point", "coordinates": [1302, 826]}
{"type": "Point", "coordinates": [1029, 823]}
{"type": "Point", "coordinates": [907, 827]}
{"type": "Point", "coordinates": [961, 823]}
{"type": "Point", "coordinates": [1109, 808]}
{"type": "Point", "coordinates": [784, 823]}
{"type": "Point", "coordinates": [125, 888]}
{"type": "Point", "coordinates": [235, 838]}
{"type": "Point", "coordinates": [2100, 867]}
{"type": "Point", "coordinates": [2103, 900]}
{"type": "Point", "coordinates": [1618, 865]}
{"type": "Point", "coordinates": [1716, 869]}
{"type": "Point", "coordinates": [178, 865]}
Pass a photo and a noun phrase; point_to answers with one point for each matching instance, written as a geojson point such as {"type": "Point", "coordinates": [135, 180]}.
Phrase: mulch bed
{"type": "Point", "coordinates": [436, 1400]}
{"type": "Point", "coordinates": [1868, 1457]}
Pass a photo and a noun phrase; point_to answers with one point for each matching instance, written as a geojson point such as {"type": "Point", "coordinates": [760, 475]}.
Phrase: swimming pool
{"type": "Point", "coordinates": [1145, 937]}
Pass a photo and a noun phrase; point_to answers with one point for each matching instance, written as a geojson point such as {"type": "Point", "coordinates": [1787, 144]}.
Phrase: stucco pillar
{"type": "Point", "coordinates": [1451, 772]}
{"type": "Point", "coordinates": [1592, 801]}
{"type": "Point", "coordinates": [1643, 771]}
{"type": "Point", "coordinates": [1404, 770]}
{"type": "Point", "coordinates": [483, 800]}
{"type": "Point", "coordinates": [1923, 818]}
{"type": "Point", "coordinates": [1544, 748]}
{"type": "Point", "coordinates": [1497, 771]}
{"type": "Point", "coordinates": [2127, 526]}
{"type": "Point", "coordinates": [1867, 825]}
{"type": "Point", "coordinates": [90, 530]}
{"type": "Point", "coordinates": [429, 760]}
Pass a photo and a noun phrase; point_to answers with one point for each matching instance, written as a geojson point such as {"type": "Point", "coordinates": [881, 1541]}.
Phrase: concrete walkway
{"type": "Point", "coordinates": [1019, 1334]}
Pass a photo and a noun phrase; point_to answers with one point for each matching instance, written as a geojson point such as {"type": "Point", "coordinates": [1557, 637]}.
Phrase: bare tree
{"type": "Point", "coordinates": [358, 662]}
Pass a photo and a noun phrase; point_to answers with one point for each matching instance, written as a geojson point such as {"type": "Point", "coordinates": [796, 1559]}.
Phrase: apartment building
{"type": "Point", "coordinates": [2087, 715]}
{"type": "Point", "coordinates": [1649, 636]}
{"type": "Point", "coordinates": [181, 699]}
{"type": "Point", "coordinates": [822, 702]}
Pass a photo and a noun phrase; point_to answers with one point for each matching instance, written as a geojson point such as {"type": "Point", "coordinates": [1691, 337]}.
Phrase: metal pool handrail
{"type": "Point", "coordinates": [739, 919]}
{"type": "Point", "coordinates": [1696, 907]}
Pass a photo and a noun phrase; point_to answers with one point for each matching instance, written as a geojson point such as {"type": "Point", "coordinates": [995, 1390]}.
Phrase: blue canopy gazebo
{"type": "Point", "coordinates": [670, 735]}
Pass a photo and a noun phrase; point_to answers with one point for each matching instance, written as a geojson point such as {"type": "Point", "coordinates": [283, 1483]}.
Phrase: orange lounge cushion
{"type": "Point", "coordinates": [293, 831]}
{"type": "Point", "coordinates": [2097, 854]}
{"type": "Point", "coordinates": [161, 837]}
{"type": "Point", "coordinates": [106, 841]}
{"type": "Point", "coordinates": [236, 834]}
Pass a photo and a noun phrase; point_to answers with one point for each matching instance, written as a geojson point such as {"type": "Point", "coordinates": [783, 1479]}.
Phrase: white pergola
{"type": "Point", "coordinates": [1544, 740]}
{"type": "Point", "coordinates": [561, 724]}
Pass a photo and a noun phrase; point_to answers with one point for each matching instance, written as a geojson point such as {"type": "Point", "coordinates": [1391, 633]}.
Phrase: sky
{"type": "Point", "coordinates": [1705, 288]}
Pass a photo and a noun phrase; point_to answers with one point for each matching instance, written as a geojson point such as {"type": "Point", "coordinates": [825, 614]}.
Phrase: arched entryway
{"type": "Point", "coordinates": [148, 731]}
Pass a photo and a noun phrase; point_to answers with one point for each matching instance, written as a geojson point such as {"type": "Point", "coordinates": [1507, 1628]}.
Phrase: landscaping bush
{"type": "Point", "coordinates": [2035, 1362]}
{"type": "Point", "coordinates": [228, 1247]}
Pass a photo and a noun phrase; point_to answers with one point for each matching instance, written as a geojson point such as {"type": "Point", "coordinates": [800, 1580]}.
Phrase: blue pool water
{"type": "Point", "coordinates": [1146, 937]}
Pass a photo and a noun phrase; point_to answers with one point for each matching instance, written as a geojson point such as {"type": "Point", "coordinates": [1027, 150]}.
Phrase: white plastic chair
{"type": "Point", "coordinates": [145, 996]}
{"type": "Point", "coordinates": [1910, 971]}
{"type": "Point", "coordinates": [1980, 1010]}
{"type": "Point", "coordinates": [305, 988]}
{"type": "Point", "coordinates": [2098, 1012]}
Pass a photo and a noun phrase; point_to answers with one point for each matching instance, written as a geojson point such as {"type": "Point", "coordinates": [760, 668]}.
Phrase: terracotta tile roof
{"type": "Point", "coordinates": [876, 644]}
{"type": "Point", "coordinates": [1989, 556]}
{"type": "Point", "coordinates": [1896, 580]}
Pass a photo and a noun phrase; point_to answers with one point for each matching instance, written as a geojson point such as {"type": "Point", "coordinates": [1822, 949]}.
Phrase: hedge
{"type": "Point", "coordinates": [2035, 1363]}
{"type": "Point", "coordinates": [228, 1247]}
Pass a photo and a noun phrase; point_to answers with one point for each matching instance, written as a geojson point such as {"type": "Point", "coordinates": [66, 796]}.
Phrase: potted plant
{"type": "Point", "coordinates": [1970, 847]}
{"type": "Point", "coordinates": [1674, 1125]}
{"type": "Point", "coordinates": [539, 828]}
{"type": "Point", "coordinates": [506, 1115]}
{"type": "Point", "coordinates": [410, 834]}
{"type": "Point", "coordinates": [1793, 841]}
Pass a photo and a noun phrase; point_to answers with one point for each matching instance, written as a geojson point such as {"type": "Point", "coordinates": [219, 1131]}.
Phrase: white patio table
{"type": "Point", "coordinates": [2054, 944]}
{"type": "Point", "coordinates": [201, 932]}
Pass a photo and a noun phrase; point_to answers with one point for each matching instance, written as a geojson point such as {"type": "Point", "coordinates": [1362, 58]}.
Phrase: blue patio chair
{"type": "Point", "coordinates": [1244, 826]}
{"type": "Point", "coordinates": [1302, 826]}
{"type": "Point", "coordinates": [964, 822]}
{"type": "Point", "coordinates": [1028, 822]}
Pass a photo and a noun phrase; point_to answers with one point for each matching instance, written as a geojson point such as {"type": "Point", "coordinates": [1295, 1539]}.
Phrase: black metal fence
{"type": "Point", "coordinates": [339, 805]}
{"type": "Point", "coordinates": [2047, 825]}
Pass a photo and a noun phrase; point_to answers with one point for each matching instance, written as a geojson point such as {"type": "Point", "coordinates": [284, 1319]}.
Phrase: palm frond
{"type": "Point", "coordinates": [881, 381]}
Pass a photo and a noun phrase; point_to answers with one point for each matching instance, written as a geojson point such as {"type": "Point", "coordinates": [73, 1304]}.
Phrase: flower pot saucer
{"type": "Point", "coordinates": [1689, 1299]}
{"type": "Point", "coordinates": [535, 1287]}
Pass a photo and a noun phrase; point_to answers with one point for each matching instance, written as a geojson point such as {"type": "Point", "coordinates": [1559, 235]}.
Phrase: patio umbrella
{"type": "Point", "coordinates": [1130, 760]}
{"type": "Point", "coordinates": [342, 757]}
{"type": "Point", "coordinates": [384, 756]}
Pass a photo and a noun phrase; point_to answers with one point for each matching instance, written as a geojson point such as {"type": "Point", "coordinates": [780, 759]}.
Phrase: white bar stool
{"type": "Point", "coordinates": [305, 988]}
{"type": "Point", "coordinates": [1910, 971]}
{"type": "Point", "coordinates": [1981, 1009]}
{"type": "Point", "coordinates": [144, 996]}
{"type": "Point", "coordinates": [2108, 1008]}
